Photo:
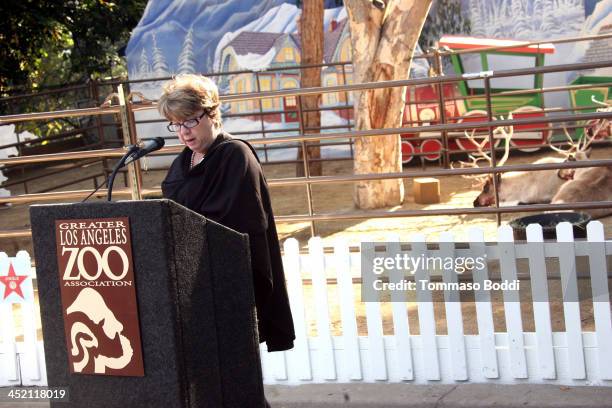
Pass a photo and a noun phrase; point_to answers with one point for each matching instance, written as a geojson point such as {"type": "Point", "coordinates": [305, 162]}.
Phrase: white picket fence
{"type": "Point", "coordinates": [23, 362]}
{"type": "Point", "coordinates": [571, 357]}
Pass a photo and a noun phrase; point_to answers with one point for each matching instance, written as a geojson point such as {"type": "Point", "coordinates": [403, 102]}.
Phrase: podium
{"type": "Point", "coordinates": [146, 304]}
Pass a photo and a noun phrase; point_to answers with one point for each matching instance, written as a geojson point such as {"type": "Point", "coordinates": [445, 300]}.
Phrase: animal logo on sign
{"type": "Point", "coordinates": [82, 337]}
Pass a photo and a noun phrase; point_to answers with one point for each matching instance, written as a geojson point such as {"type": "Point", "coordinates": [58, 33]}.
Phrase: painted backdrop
{"type": "Point", "coordinates": [178, 36]}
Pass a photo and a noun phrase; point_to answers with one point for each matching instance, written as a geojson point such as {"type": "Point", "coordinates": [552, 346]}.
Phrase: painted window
{"type": "Point", "coordinates": [332, 98]}
{"type": "Point", "coordinates": [288, 54]}
{"type": "Point", "coordinates": [290, 101]}
{"type": "Point", "coordinates": [240, 88]}
{"type": "Point", "coordinates": [265, 84]}
{"type": "Point", "coordinates": [345, 51]}
{"type": "Point", "coordinates": [289, 83]}
{"type": "Point", "coordinates": [226, 63]}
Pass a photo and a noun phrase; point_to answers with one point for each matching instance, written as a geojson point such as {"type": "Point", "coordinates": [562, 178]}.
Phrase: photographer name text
{"type": "Point", "coordinates": [423, 284]}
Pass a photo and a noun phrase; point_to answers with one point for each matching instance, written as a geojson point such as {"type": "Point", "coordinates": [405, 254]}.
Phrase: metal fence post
{"type": "Point", "coordinates": [442, 106]}
{"type": "Point", "coordinates": [261, 116]}
{"type": "Point", "coordinates": [487, 84]}
{"type": "Point", "coordinates": [306, 166]}
{"type": "Point", "coordinates": [346, 111]}
{"type": "Point", "coordinates": [129, 137]}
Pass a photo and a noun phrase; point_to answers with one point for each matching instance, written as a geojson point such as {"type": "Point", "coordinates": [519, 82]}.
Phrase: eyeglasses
{"type": "Point", "coordinates": [188, 124]}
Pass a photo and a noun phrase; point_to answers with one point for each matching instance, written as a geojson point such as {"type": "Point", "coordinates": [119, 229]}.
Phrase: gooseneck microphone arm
{"type": "Point", "coordinates": [134, 153]}
{"type": "Point", "coordinates": [111, 179]}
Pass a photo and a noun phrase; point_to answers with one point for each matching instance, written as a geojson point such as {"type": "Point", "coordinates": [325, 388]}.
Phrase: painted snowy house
{"type": "Point", "coordinates": [255, 51]}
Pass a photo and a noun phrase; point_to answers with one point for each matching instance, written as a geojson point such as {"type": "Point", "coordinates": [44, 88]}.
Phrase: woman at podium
{"type": "Point", "coordinates": [221, 178]}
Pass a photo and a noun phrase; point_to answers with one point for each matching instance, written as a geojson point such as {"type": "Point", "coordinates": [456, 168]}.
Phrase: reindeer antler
{"type": "Point", "coordinates": [585, 140]}
{"type": "Point", "coordinates": [474, 157]}
{"type": "Point", "coordinates": [571, 142]}
{"type": "Point", "coordinates": [507, 137]}
{"type": "Point", "coordinates": [478, 155]}
{"type": "Point", "coordinates": [575, 148]}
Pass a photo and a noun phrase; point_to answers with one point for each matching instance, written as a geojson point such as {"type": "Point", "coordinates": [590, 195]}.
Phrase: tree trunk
{"type": "Point", "coordinates": [383, 42]}
{"type": "Point", "coordinates": [311, 41]}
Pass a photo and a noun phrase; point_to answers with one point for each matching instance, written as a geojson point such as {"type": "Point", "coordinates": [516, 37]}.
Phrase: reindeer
{"type": "Point", "coordinates": [589, 183]}
{"type": "Point", "coordinates": [524, 187]}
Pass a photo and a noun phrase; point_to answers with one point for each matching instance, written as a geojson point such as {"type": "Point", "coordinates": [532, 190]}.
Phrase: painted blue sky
{"type": "Point", "coordinates": [170, 20]}
{"type": "Point", "coordinates": [211, 19]}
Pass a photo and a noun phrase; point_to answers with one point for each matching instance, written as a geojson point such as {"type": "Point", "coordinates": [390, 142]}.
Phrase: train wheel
{"type": "Point", "coordinates": [433, 147]}
{"type": "Point", "coordinates": [528, 135]}
{"type": "Point", "coordinates": [407, 152]}
{"type": "Point", "coordinates": [481, 132]}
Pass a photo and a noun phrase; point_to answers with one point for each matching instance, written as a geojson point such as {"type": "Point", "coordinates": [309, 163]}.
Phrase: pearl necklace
{"type": "Point", "coordinates": [192, 162]}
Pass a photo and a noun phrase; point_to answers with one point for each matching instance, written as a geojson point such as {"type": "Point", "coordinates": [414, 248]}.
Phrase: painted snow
{"type": "Point", "coordinates": [256, 62]}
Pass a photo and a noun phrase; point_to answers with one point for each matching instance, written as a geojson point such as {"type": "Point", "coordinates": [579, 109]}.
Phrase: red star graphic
{"type": "Point", "coordinates": [12, 283]}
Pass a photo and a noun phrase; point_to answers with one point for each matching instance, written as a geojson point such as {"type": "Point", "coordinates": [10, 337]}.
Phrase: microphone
{"type": "Point", "coordinates": [135, 152]}
{"type": "Point", "coordinates": [147, 147]}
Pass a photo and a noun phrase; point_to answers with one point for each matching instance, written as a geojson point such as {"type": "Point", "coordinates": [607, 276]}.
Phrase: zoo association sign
{"type": "Point", "coordinates": [99, 296]}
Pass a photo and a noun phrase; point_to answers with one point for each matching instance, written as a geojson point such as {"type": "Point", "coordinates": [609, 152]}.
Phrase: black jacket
{"type": "Point", "coordinates": [229, 187]}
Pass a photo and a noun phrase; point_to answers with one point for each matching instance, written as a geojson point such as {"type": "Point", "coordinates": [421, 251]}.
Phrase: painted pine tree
{"type": "Point", "coordinates": [537, 15]}
{"type": "Point", "coordinates": [521, 20]}
{"type": "Point", "coordinates": [569, 15]}
{"type": "Point", "coordinates": [494, 17]}
{"type": "Point", "coordinates": [477, 22]}
{"type": "Point", "coordinates": [144, 66]}
{"type": "Point", "coordinates": [499, 20]}
{"type": "Point", "coordinates": [186, 62]}
{"type": "Point", "coordinates": [446, 18]}
{"type": "Point", "coordinates": [548, 17]}
{"type": "Point", "coordinates": [160, 67]}
{"type": "Point", "coordinates": [486, 17]}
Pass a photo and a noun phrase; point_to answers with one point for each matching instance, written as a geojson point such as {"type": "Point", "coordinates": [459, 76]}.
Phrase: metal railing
{"type": "Point", "coordinates": [135, 190]}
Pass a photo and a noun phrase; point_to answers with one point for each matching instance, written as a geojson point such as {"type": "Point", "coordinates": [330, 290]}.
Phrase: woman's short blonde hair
{"type": "Point", "coordinates": [186, 95]}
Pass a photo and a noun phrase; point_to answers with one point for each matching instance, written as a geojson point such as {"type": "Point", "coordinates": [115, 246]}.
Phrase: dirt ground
{"type": "Point", "coordinates": [456, 192]}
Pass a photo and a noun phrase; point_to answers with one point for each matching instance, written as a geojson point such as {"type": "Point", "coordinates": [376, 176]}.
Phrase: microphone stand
{"type": "Point", "coordinates": [120, 164]}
